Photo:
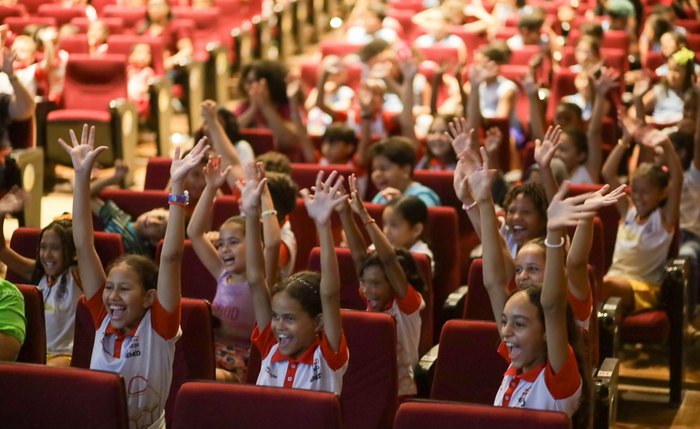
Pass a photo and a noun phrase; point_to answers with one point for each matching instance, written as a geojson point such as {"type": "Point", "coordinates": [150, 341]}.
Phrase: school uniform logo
{"type": "Point", "coordinates": [316, 371]}
{"type": "Point", "coordinates": [134, 349]}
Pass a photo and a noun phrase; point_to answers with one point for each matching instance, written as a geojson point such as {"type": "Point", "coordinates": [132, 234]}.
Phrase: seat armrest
{"type": "Point", "coordinates": [453, 307]}
{"type": "Point", "coordinates": [194, 87]}
{"type": "Point", "coordinates": [217, 73]}
{"type": "Point", "coordinates": [31, 165]}
{"type": "Point", "coordinates": [160, 104]}
{"type": "Point", "coordinates": [609, 322]}
{"type": "Point", "coordinates": [606, 383]}
{"type": "Point", "coordinates": [673, 298]}
{"type": "Point", "coordinates": [424, 371]}
{"type": "Point", "coordinates": [125, 132]}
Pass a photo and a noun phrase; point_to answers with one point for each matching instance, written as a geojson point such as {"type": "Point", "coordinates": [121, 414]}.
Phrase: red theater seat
{"type": "Point", "coordinates": [199, 405]}
{"type": "Point", "coordinates": [38, 396]}
{"type": "Point", "coordinates": [34, 347]}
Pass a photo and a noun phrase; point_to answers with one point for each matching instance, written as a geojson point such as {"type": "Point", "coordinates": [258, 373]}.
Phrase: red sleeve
{"type": "Point", "coordinates": [582, 309]}
{"type": "Point", "coordinates": [335, 360]}
{"type": "Point", "coordinates": [567, 381]}
{"type": "Point", "coordinates": [96, 307]}
{"type": "Point", "coordinates": [264, 340]}
{"type": "Point", "coordinates": [164, 323]}
{"type": "Point", "coordinates": [411, 302]}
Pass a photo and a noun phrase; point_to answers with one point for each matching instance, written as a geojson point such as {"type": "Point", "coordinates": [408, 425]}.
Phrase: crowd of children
{"type": "Point", "coordinates": [386, 111]}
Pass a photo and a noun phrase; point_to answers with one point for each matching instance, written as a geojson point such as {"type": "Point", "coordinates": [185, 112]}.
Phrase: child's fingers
{"type": "Point", "coordinates": [319, 180]}
{"type": "Point", "coordinates": [331, 177]}
{"type": "Point", "coordinates": [64, 145]}
{"type": "Point", "coordinates": [84, 134]}
{"type": "Point", "coordinates": [337, 184]}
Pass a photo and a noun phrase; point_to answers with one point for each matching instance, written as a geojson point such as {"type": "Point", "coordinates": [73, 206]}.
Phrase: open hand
{"type": "Point", "coordinates": [567, 212]}
{"type": "Point", "coordinates": [325, 198]}
{"type": "Point", "coordinates": [602, 198]}
{"type": "Point", "coordinates": [181, 166]}
{"type": "Point", "coordinates": [545, 149]}
{"type": "Point", "coordinates": [251, 188]}
{"type": "Point", "coordinates": [82, 153]}
{"type": "Point", "coordinates": [213, 175]}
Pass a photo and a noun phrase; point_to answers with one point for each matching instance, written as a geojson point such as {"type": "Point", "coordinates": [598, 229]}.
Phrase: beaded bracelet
{"type": "Point", "coordinates": [554, 246]}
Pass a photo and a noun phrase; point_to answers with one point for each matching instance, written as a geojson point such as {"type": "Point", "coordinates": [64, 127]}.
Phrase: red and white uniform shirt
{"type": "Point", "coordinates": [144, 357]}
{"type": "Point", "coordinates": [540, 388]}
{"type": "Point", "coordinates": [318, 368]}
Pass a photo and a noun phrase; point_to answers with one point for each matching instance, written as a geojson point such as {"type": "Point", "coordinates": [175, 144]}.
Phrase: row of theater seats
{"type": "Point", "coordinates": [207, 405]}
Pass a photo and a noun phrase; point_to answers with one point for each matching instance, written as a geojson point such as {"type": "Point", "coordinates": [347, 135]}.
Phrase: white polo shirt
{"type": "Point", "coordinates": [144, 357]}
{"type": "Point", "coordinates": [60, 303]}
{"type": "Point", "coordinates": [540, 388]}
{"type": "Point", "coordinates": [318, 368]}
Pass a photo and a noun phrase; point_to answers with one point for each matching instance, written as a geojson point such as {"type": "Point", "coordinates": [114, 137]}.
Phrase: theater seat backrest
{"type": "Point", "coordinates": [34, 348]}
{"type": "Point", "coordinates": [199, 405]}
{"type": "Point", "coordinates": [468, 367]}
{"type": "Point", "coordinates": [197, 282]}
{"type": "Point", "coordinates": [93, 82]}
{"type": "Point", "coordinates": [420, 415]}
{"type": "Point", "coordinates": [38, 396]}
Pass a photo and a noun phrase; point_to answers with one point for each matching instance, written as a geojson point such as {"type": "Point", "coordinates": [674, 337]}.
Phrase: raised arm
{"type": "Point", "coordinates": [497, 269]}
{"type": "Point", "coordinates": [255, 264]}
{"type": "Point", "coordinates": [532, 89]}
{"type": "Point", "coordinates": [610, 168]}
{"type": "Point", "coordinates": [22, 104]}
{"type": "Point", "coordinates": [353, 236]}
{"type": "Point", "coordinates": [320, 206]}
{"type": "Point", "coordinates": [307, 148]}
{"type": "Point", "coordinates": [201, 220]}
{"type": "Point", "coordinates": [220, 142]}
{"type": "Point", "coordinates": [601, 85]}
{"type": "Point", "coordinates": [169, 280]}
{"type": "Point", "coordinates": [561, 213]}
{"type": "Point", "coordinates": [12, 202]}
{"type": "Point", "coordinates": [544, 152]}
{"type": "Point", "coordinates": [462, 138]}
{"type": "Point", "coordinates": [83, 155]}
{"type": "Point", "coordinates": [272, 235]}
{"type": "Point", "coordinates": [671, 209]}
{"type": "Point", "coordinates": [409, 68]}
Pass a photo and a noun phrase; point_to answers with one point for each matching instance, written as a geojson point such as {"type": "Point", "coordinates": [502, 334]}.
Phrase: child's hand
{"type": "Point", "coordinates": [409, 68]}
{"type": "Point", "coordinates": [355, 202]}
{"type": "Point", "coordinates": [181, 166]}
{"type": "Point", "coordinates": [529, 85]}
{"type": "Point", "coordinates": [213, 175]}
{"type": "Point", "coordinates": [607, 80]}
{"type": "Point", "coordinates": [481, 179]}
{"type": "Point", "coordinates": [345, 204]}
{"type": "Point", "coordinates": [326, 197]}
{"type": "Point", "coordinates": [493, 139]}
{"type": "Point", "coordinates": [251, 188]}
{"type": "Point", "coordinates": [602, 198]}
{"type": "Point", "coordinates": [82, 154]}
{"type": "Point", "coordinates": [121, 169]}
{"type": "Point", "coordinates": [209, 110]}
{"type": "Point", "coordinates": [545, 149]}
{"type": "Point", "coordinates": [7, 59]}
{"type": "Point", "coordinates": [641, 86]}
{"type": "Point", "coordinates": [461, 137]}
{"type": "Point", "coordinates": [567, 212]}
{"type": "Point", "coordinates": [628, 124]}
{"type": "Point", "coordinates": [390, 193]}
{"type": "Point", "coordinates": [14, 200]}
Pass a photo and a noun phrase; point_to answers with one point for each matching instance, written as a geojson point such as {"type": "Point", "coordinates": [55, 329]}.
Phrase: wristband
{"type": "Point", "coordinates": [466, 208]}
{"type": "Point", "coordinates": [268, 213]}
{"type": "Point", "coordinates": [370, 221]}
{"type": "Point", "coordinates": [179, 199]}
{"type": "Point", "coordinates": [553, 246]}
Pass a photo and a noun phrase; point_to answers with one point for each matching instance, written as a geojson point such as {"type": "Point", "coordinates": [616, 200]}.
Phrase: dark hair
{"type": "Point", "coordinates": [372, 49]}
{"type": "Point", "coordinates": [304, 287]}
{"type": "Point", "coordinates": [228, 121]}
{"type": "Point", "coordinates": [531, 21]}
{"type": "Point", "coordinates": [659, 26]}
{"type": "Point", "coordinates": [653, 172]}
{"type": "Point", "coordinates": [144, 267]}
{"type": "Point", "coordinates": [64, 230]}
{"type": "Point", "coordinates": [398, 150]}
{"type": "Point", "coordinates": [275, 162]}
{"type": "Point", "coordinates": [535, 192]}
{"type": "Point", "coordinates": [274, 73]}
{"type": "Point", "coordinates": [582, 417]}
{"type": "Point", "coordinates": [283, 191]}
{"type": "Point", "coordinates": [578, 139]}
{"type": "Point", "coordinates": [593, 29]}
{"type": "Point", "coordinates": [340, 132]}
{"type": "Point", "coordinates": [497, 51]}
{"type": "Point", "coordinates": [571, 107]}
{"type": "Point", "coordinates": [592, 42]}
{"type": "Point", "coordinates": [405, 259]}
{"type": "Point", "coordinates": [683, 141]}
{"type": "Point", "coordinates": [412, 209]}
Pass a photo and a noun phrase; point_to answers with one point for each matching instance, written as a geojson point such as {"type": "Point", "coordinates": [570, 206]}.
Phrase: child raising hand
{"type": "Point", "coordinates": [299, 331]}
{"type": "Point", "coordinates": [135, 306]}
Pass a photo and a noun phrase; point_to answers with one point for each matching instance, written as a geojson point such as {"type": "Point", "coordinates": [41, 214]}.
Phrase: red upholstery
{"type": "Point", "coordinates": [691, 25]}
{"type": "Point", "coordinates": [421, 415]}
{"type": "Point", "coordinates": [338, 48]}
{"type": "Point", "coordinates": [194, 351]}
{"type": "Point", "coordinates": [472, 39]}
{"type": "Point", "coordinates": [414, 6]}
{"type": "Point", "coordinates": [197, 281]}
{"type": "Point", "coordinates": [350, 285]}
{"type": "Point", "coordinates": [199, 405]}
{"type": "Point", "coordinates": [477, 305]}
{"type": "Point", "coordinates": [304, 175]}
{"type": "Point", "coordinates": [468, 367]}
{"type": "Point", "coordinates": [157, 172]}
{"type": "Point", "coordinates": [115, 25]}
{"type": "Point", "coordinates": [131, 15]}
{"type": "Point", "coordinates": [694, 42]}
{"type": "Point", "coordinates": [62, 14]}
{"type": "Point", "coordinates": [32, 6]}
{"type": "Point", "coordinates": [225, 206]}
{"type": "Point", "coordinates": [74, 44]}
{"type": "Point", "coordinates": [206, 26]}
{"type": "Point", "coordinates": [522, 56]}
{"type": "Point", "coordinates": [409, 30]}
{"type": "Point", "coordinates": [562, 85]}
{"type": "Point", "coordinates": [38, 396]}
{"type": "Point", "coordinates": [121, 44]}
{"type": "Point", "coordinates": [444, 55]}
{"type": "Point", "coordinates": [17, 10]}
{"type": "Point", "coordinates": [612, 58]}
{"type": "Point", "coordinates": [646, 327]}
{"type": "Point", "coordinates": [80, 115]}
{"type": "Point", "coordinates": [310, 73]}
{"type": "Point", "coordinates": [17, 24]}
{"type": "Point", "coordinates": [34, 348]}
{"type": "Point", "coordinates": [25, 241]}
{"type": "Point", "coordinates": [654, 60]}
{"type": "Point", "coordinates": [305, 231]}
{"type": "Point", "coordinates": [260, 139]}
{"type": "Point", "coordinates": [136, 202]}
{"type": "Point", "coordinates": [94, 81]}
